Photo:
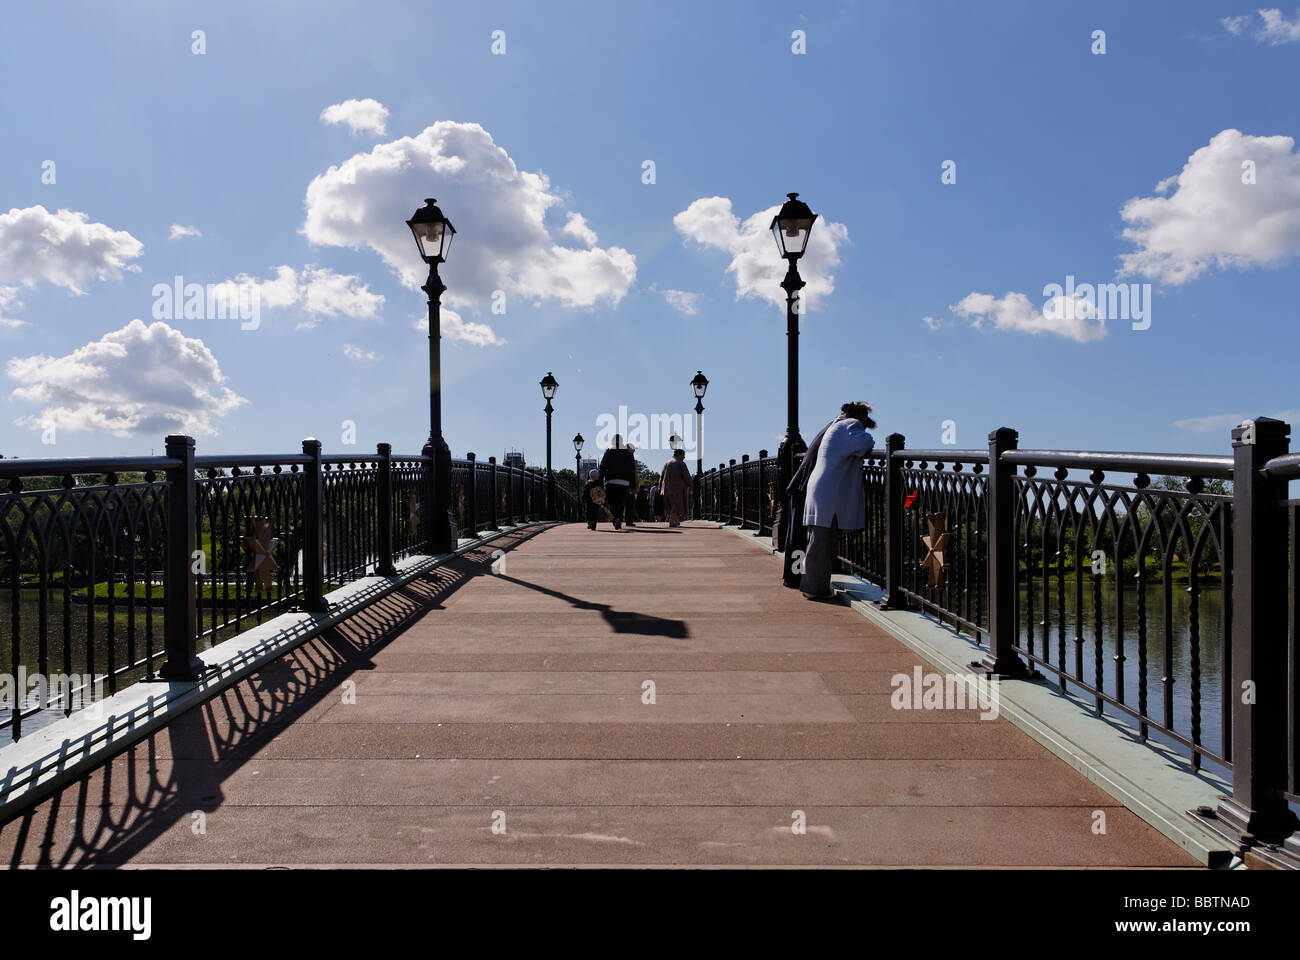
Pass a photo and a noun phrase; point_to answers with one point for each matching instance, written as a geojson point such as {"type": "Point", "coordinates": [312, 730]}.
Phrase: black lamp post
{"type": "Point", "coordinates": [549, 386]}
{"type": "Point", "coordinates": [699, 383]}
{"type": "Point", "coordinates": [577, 459]}
{"type": "Point", "coordinates": [791, 226]}
{"type": "Point", "coordinates": [433, 235]}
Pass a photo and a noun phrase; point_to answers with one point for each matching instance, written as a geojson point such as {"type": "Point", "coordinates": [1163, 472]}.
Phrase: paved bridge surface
{"type": "Point", "coordinates": [471, 698]}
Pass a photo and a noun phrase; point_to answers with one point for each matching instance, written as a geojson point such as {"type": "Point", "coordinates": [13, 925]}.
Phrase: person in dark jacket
{"type": "Point", "coordinates": [618, 474]}
{"type": "Point", "coordinates": [592, 500]}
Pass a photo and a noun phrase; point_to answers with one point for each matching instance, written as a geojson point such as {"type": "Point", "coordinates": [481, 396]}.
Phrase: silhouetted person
{"type": "Point", "coordinates": [589, 498]}
{"type": "Point", "coordinates": [618, 473]}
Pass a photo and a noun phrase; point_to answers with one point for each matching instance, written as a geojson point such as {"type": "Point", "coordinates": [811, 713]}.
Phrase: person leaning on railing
{"type": "Point", "coordinates": [828, 485]}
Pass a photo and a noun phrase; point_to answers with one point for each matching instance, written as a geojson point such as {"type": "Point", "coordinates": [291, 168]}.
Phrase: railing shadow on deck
{"type": "Point", "coordinates": [111, 831]}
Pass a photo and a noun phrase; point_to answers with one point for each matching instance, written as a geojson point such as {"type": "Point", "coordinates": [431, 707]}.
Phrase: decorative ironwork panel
{"type": "Point", "coordinates": [227, 499]}
{"type": "Point", "coordinates": [81, 567]}
{"type": "Point", "coordinates": [1138, 578]}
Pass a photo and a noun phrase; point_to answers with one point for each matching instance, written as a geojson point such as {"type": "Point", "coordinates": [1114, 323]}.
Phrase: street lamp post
{"type": "Point", "coordinates": [699, 384]}
{"type": "Point", "coordinates": [549, 385]}
{"type": "Point", "coordinates": [577, 459]}
{"type": "Point", "coordinates": [433, 235]}
{"type": "Point", "coordinates": [791, 227]}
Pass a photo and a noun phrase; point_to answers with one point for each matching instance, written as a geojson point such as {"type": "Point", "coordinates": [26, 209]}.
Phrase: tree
{"type": "Point", "coordinates": [566, 478]}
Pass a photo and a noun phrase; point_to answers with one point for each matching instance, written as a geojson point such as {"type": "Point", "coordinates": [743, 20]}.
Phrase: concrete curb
{"type": "Point", "coordinates": [56, 755]}
{"type": "Point", "coordinates": [1149, 779]}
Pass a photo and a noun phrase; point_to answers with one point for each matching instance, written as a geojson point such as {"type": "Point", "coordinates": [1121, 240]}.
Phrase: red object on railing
{"type": "Point", "coordinates": [911, 499]}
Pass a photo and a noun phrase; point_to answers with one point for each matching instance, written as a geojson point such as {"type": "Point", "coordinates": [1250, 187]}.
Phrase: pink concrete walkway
{"type": "Point", "coordinates": [469, 700]}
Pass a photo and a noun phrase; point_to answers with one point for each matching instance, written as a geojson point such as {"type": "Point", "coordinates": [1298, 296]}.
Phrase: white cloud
{"type": "Point", "coordinates": [1236, 25]}
{"type": "Point", "coordinates": [179, 231]}
{"type": "Point", "coordinates": [62, 248]}
{"type": "Point", "coordinates": [362, 116]}
{"type": "Point", "coordinates": [136, 380]}
{"type": "Point", "coordinates": [575, 225]}
{"type": "Point", "coordinates": [500, 211]}
{"type": "Point", "coordinates": [1015, 312]}
{"type": "Point", "coordinates": [755, 263]}
{"type": "Point", "coordinates": [1274, 28]}
{"type": "Point", "coordinates": [1214, 219]}
{"type": "Point", "coordinates": [358, 355]}
{"type": "Point", "coordinates": [681, 301]}
{"type": "Point", "coordinates": [932, 323]}
{"type": "Point", "coordinates": [455, 327]}
{"type": "Point", "coordinates": [9, 301]}
{"type": "Point", "coordinates": [1223, 422]}
{"type": "Point", "coordinates": [317, 291]}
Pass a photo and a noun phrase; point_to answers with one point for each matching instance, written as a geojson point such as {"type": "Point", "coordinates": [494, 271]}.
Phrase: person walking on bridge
{"type": "Point", "coordinates": [829, 482]}
{"type": "Point", "coordinates": [593, 496]}
{"type": "Point", "coordinates": [618, 474]}
{"type": "Point", "coordinates": [675, 485]}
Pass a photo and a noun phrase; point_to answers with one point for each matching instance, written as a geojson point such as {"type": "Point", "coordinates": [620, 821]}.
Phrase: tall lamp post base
{"type": "Point", "coordinates": [443, 536]}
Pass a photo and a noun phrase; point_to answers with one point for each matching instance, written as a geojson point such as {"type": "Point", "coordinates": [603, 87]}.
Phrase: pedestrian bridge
{"type": "Point", "coordinates": [560, 696]}
{"type": "Point", "coordinates": [405, 659]}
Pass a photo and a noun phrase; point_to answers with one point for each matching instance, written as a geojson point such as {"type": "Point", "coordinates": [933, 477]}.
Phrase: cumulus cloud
{"type": "Point", "coordinates": [179, 231]}
{"type": "Point", "coordinates": [576, 226]}
{"type": "Point", "coordinates": [504, 242]}
{"type": "Point", "coordinates": [137, 380]}
{"type": "Point", "coordinates": [755, 264]}
{"type": "Point", "coordinates": [681, 301]}
{"type": "Point", "coordinates": [357, 355]}
{"type": "Point", "coordinates": [9, 301]}
{"type": "Point", "coordinates": [62, 248]}
{"type": "Point", "coordinates": [455, 327]}
{"type": "Point", "coordinates": [1273, 27]}
{"type": "Point", "coordinates": [1214, 219]}
{"type": "Point", "coordinates": [316, 291]}
{"type": "Point", "coordinates": [362, 116]}
{"type": "Point", "coordinates": [1076, 319]}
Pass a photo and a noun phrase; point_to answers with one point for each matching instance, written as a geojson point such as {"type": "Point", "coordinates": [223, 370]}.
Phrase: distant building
{"type": "Point", "coordinates": [587, 467]}
{"type": "Point", "coordinates": [514, 458]}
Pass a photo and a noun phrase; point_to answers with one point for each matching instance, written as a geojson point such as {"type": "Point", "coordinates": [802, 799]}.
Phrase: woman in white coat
{"type": "Point", "coordinates": [835, 500]}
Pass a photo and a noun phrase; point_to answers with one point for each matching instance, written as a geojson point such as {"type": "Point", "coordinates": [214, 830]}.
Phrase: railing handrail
{"type": "Point", "coordinates": [76, 466]}
{"type": "Point", "coordinates": [250, 460]}
{"type": "Point", "coordinates": [1286, 467]}
{"type": "Point", "coordinates": [950, 454]}
{"type": "Point", "coordinates": [1176, 464]}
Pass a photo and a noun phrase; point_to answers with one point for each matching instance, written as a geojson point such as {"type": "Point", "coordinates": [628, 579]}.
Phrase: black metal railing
{"type": "Point", "coordinates": [1150, 585]}
{"type": "Point", "coordinates": [117, 569]}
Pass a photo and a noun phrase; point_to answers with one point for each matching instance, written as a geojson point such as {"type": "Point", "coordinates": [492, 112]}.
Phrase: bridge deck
{"type": "Point", "coordinates": [522, 693]}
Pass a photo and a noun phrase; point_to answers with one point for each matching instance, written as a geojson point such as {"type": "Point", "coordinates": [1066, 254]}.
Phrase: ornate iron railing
{"type": "Point", "coordinates": [114, 569]}
{"type": "Point", "coordinates": [1154, 601]}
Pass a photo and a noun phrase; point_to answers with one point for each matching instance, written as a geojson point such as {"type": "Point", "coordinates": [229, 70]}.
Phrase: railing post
{"type": "Point", "coordinates": [180, 616]}
{"type": "Point", "coordinates": [1257, 809]}
{"type": "Point", "coordinates": [313, 530]}
{"type": "Point", "coordinates": [893, 598]}
{"type": "Point", "coordinates": [471, 496]}
{"type": "Point", "coordinates": [384, 565]}
{"type": "Point", "coordinates": [492, 492]}
{"type": "Point", "coordinates": [731, 491]}
{"type": "Point", "coordinates": [1000, 502]}
{"type": "Point", "coordinates": [510, 492]}
{"type": "Point", "coordinates": [744, 459]}
{"type": "Point", "coordinates": [763, 505]}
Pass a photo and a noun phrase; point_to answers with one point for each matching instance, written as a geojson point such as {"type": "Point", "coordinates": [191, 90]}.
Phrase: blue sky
{"type": "Point", "coordinates": [1051, 142]}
